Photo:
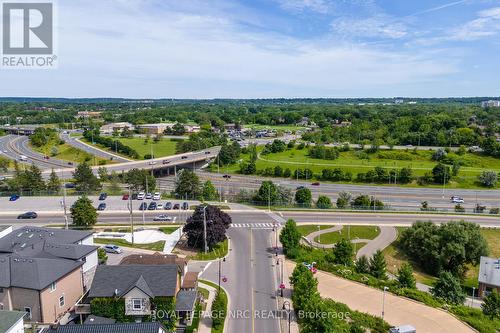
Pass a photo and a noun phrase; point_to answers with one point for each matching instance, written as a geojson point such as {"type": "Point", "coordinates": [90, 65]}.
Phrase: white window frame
{"type": "Point", "coordinates": [134, 303]}
{"type": "Point", "coordinates": [53, 287]}
{"type": "Point", "coordinates": [28, 310]}
{"type": "Point", "coordinates": [63, 301]}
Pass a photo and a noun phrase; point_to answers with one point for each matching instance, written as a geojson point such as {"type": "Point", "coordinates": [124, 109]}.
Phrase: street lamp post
{"type": "Point", "coordinates": [282, 284]}
{"type": "Point", "coordinates": [383, 302]}
{"type": "Point", "coordinates": [473, 292]}
{"type": "Point", "coordinates": [205, 229]}
{"type": "Point", "coordinates": [220, 260]}
{"type": "Point", "coordinates": [319, 235]}
{"type": "Point", "coordinates": [286, 306]}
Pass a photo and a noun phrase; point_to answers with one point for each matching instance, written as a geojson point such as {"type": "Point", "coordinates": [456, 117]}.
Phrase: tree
{"type": "Point", "coordinates": [54, 151]}
{"type": "Point", "coordinates": [303, 197]}
{"type": "Point", "coordinates": [488, 178]}
{"type": "Point", "coordinates": [188, 185]}
{"type": "Point", "coordinates": [305, 287]}
{"type": "Point", "coordinates": [491, 305]}
{"type": "Point", "coordinates": [344, 199]}
{"type": "Point", "coordinates": [53, 184]}
{"type": "Point", "coordinates": [448, 288]}
{"type": "Point", "coordinates": [405, 276]}
{"type": "Point", "coordinates": [83, 212]}
{"type": "Point", "coordinates": [114, 183]}
{"type": "Point", "coordinates": [439, 154]}
{"type": "Point", "coordinates": [441, 174]}
{"type": "Point", "coordinates": [229, 153]}
{"type": "Point", "coordinates": [217, 223]}
{"type": "Point", "coordinates": [103, 173]}
{"type": "Point", "coordinates": [378, 266]}
{"type": "Point", "coordinates": [209, 193]}
{"type": "Point", "coordinates": [32, 179]}
{"type": "Point", "coordinates": [85, 180]}
{"type": "Point", "coordinates": [290, 236]}
{"type": "Point", "coordinates": [343, 252]}
{"type": "Point", "coordinates": [4, 164]}
{"type": "Point", "coordinates": [324, 202]}
{"type": "Point", "coordinates": [267, 193]}
{"type": "Point", "coordinates": [362, 265]}
{"type": "Point", "coordinates": [248, 168]}
{"type": "Point", "coordinates": [138, 178]}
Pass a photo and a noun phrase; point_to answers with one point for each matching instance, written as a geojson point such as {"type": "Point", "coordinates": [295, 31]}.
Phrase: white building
{"type": "Point", "coordinates": [490, 104]}
{"type": "Point", "coordinates": [110, 128]}
{"type": "Point", "coordinates": [11, 321]}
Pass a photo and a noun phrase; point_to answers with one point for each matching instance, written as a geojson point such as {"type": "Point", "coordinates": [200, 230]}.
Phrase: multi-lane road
{"type": "Point", "coordinates": [77, 143]}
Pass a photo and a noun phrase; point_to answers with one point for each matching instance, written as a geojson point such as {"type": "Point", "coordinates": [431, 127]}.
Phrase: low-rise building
{"type": "Point", "coordinates": [88, 115]}
{"type": "Point", "coordinates": [11, 321]}
{"type": "Point", "coordinates": [110, 128]}
{"type": "Point", "coordinates": [490, 104]}
{"type": "Point", "coordinates": [110, 328]}
{"type": "Point", "coordinates": [154, 129]}
{"type": "Point", "coordinates": [489, 275]}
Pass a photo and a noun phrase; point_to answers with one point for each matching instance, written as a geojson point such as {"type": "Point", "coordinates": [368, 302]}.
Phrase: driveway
{"type": "Point", "coordinates": [398, 310]}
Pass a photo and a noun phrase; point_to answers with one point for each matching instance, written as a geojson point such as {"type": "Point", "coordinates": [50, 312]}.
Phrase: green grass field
{"type": "Point", "coordinates": [307, 229]}
{"type": "Point", "coordinates": [65, 152]}
{"type": "Point", "coordinates": [357, 161]}
{"type": "Point", "coordinates": [156, 246]}
{"type": "Point", "coordinates": [164, 147]}
{"type": "Point", "coordinates": [356, 231]}
{"type": "Point", "coordinates": [219, 251]}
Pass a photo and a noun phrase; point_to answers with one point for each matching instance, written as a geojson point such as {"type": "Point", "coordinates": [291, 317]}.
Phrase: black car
{"type": "Point", "coordinates": [102, 206]}
{"type": "Point", "coordinates": [168, 206]}
{"type": "Point", "coordinates": [143, 206]}
{"type": "Point", "coordinates": [183, 157]}
{"type": "Point", "coordinates": [185, 206]}
{"type": "Point", "coordinates": [69, 185]}
{"type": "Point", "coordinates": [152, 205]}
{"type": "Point", "coordinates": [28, 215]}
{"type": "Point", "coordinates": [226, 176]}
{"type": "Point", "coordinates": [177, 206]}
{"type": "Point", "coordinates": [134, 196]}
{"type": "Point", "coordinates": [103, 196]}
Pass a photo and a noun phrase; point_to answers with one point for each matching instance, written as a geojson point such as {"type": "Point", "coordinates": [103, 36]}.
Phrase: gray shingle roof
{"type": "Point", "coordinates": [185, 300]}
{"type": "Point", "coordinates": [160, 279]}
{"type": "Point", "coordinates": [109, 328]}
{"type": "Point", "coordinates": [33, 273]}
{"type": "Point", "coordinates": [9, 318]}
{"type": "Point", "coordinates": [96, 320]}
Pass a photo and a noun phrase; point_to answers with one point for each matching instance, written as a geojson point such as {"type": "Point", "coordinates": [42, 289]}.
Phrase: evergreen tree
{"type": "Point", "coordinates": [209, 193]}
{"type": "Point", "coordinates": [188, 185]}
{"type": "Point", "coordinates": [448, 288]}
{"type": "Point", "coordinates": [343, 252]}
{"type": "Point", "coordinates": [378, 266]}
{"type": "Point", "coordinates": [362, 265]}
{"type": "Point", "coordinates": [491, 305]}
{"type": "Point", "coordinates": [53, 184]}
{"type": "Point", "coordinates": [83, 212]}
{"type": "Point", "coordinates": [85, 180]}
{"type": "Point", "coordinates": [290, 236]}
{"type": "Point", "coordinates": [405, 276]}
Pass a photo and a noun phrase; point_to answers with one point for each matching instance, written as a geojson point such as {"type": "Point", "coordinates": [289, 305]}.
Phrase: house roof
{"type": "Point", "coordinates": [9, 319]}
{"type": "Point", "coordinates": [185, 300]}
{"type": "Point", "coordinates": [109, 328]}
{"type": "Point", "coordinates": [96, 320]}
{"type": "Point", "coordinates": [190, 280]}
{"type": "Point", "coordinates": [489, 271]}
{"type": "Point", "coordinates": [160, 279]}
{"type": "Point", "coordinates": [154, 259]}
{"type": "Point", "coordinates": [33, 273]}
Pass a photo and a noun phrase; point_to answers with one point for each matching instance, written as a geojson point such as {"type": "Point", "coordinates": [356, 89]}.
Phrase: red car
{"type": "Point", "coordinates": [315, 184]}
{"type": "Point", "coordinates": [125, 197]}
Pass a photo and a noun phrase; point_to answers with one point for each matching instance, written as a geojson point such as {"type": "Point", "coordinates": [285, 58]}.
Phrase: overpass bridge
{"type": "Point", "coordinates": [20, 130]}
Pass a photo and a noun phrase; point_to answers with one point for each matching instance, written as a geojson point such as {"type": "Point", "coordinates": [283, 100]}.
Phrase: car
{"type": "Point", "coordinates": [185, 206]}
{"type": "Point", "coordinates": [176, 206]}
{"type": "Point", "coordinates": [143, 206]}
{"type": "Point", "coordinates": [70, 185]}
{"type": "Point", "coordinates": [70, 163]}
{"type": "Point", "coordinates": [457, 200]}
{"type": "Point", "coordinates": [168, 206]}
{"type": "Point", "coordinates": [207, 153]}
{"type": "Point", "coordinates": [183, 157]}
{"type": "Point", "coordinates": [27, 215]}
{"type": "Point", "coordinates": [226, 176]}
{"type": "Point", "coordinates": [315, 184]}
{"type": "Point", "coordinates": [102, 206]}
{"type": "Point", "coordinates": [125, 197]}
{"type": "Point", "coordinates": [149, 196]}
{"type": "Point", "coordinates": [141, 196]}
{"type": "Point", "coordinates": [23, 158]}
{"type": "Point", "coordinates": [14, 197]}
{"type": "Point", "coordinates": [409, 146]}
{"type": "Point", "coordinates": [46, 157]}
{"type": "Point", "coordinates": [109, 248]}
{"type": "Point", "coordinates": [157, 196]}
{"type": "Point", "coordinates": [152, 205]}
{"type": "Point", "coordinates": [166, 162]}
{"type": "Point", "coordinates": [103, 196]}
{"type": "Point", "coordinates": [152, 162]}
{"type": "Point", "coordinates": [300, 187]}
{"type": "Point", "coordinates": [159, 206]}
{"type": "Point", "coordinates": [2, 178]}
{"type": "Point", "coordinates": [162, 218]}
{"type": "Point", "coordinates": [134, 196]}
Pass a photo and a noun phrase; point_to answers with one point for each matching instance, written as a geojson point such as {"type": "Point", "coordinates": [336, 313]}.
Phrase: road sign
{"type": "Point", "coordinates": [282, 286]}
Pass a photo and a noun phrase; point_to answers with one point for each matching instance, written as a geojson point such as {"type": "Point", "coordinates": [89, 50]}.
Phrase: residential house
{"type": "Point", "coordinates": [489, 275]}
{"type": "Point", "coordinates": [110, 328]}
{"type": "Point", "coordinates": [44, 271]}
{"type": "Point", "coordinates": [156, 259]}
{"type": "Point", "coordinates": [11, 321]}
{"type": "Point", "coordinates": [137, 285]}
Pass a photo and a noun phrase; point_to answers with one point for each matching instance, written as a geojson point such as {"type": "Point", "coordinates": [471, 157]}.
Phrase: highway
{"type": "Point", "coordinates": [77, 143]}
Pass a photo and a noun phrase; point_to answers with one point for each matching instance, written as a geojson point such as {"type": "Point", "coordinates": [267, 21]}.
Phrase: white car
{"type": "Point", "coordinates": [152, 162]}
{"type": "Point", "coordinates": [23, 158]}
{"type": "Point", "coordinates": [159, 206]}
{"type": "Point", "coordinates": [157, 196]}
{"type": "Point", "coordinates": [141, 196]}
{"type": "Point", "coordinates": [457, 200]}
{"type": "Point", "coordinates": [163, 218]}
{"type": "Point", "coordinates": [109, 248]}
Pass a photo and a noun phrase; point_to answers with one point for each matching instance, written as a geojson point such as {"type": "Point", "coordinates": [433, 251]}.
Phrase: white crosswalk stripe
{"type": "Point", "coordinates": [253, 225]}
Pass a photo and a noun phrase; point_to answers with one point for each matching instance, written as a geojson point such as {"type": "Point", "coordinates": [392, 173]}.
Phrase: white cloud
{"type": "Point", "coordinates": [319, 6]}
{"type": "Point", "coordinates": [379, 26]}
{"type": "Point", "coordinates": [487, 24]}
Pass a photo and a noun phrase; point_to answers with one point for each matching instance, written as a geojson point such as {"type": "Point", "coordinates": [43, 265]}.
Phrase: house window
{"type": "Point", "coordinates": [53, 286]}
{"type": "Point", "coordinates": [136, 304]}
{"type": "Point", "coordinates": [1, 290]}
{"type": "Point", "coordinates": [28, 312]}
{"type": "Point", "coordinates": [1, 306]}
{"type": "Point", "coordinates": [61, 301]}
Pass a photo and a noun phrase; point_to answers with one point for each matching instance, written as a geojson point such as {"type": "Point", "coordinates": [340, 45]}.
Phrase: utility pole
{"type": "Point", "coordinates": [131, 213]}
{"type": "Point", "coordinates": [205, 229]}
{"type": "Point", "coordinates": [144, 210]}
{"type": "Point", "coordinates": [66, 224]}
{"type": "Point", "coordinates": [444, 181]}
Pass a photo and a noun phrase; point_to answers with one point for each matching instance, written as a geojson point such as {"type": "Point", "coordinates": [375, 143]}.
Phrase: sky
{"type": "Point", "coordinates": [269, 49]}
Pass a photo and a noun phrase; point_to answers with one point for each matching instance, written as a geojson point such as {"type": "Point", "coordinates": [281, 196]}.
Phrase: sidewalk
{"type": "Point", "coordinates": [206, 320]}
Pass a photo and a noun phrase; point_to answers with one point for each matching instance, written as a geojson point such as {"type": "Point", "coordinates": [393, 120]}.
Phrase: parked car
{"type": "Point", "coordinates": [168, 206]}
{"type": "Point", "coordinates": [103, 196]}
{"type": "Point", "coordinates": [109, 248]}
{"type": "Point", "coordinates": [27, 215]}
{"type": "Point", "coordinates": [14, 197]}
{"type": "Point", "coordinates": [157, 196]}
{"type": "Point", "coordinates": [152, 205]}
{"type": "Point", "coordinates": [166, 162]}
{"type": "Point", "coordinates": [143, 206]}
{"type": "Point", "coordinates": [149, 196]}
{"type": "Point", "coordinates": [125, 197]}
{"type": "Point", "coordinates": [102, 206]}
{"type": "Point", "coordinates": [162, 218]}
{"type": "Point", "coordinates": [69, 185]}
{"type": "Point", "coordinates": [134, 196]}
{"type": "Point", "coordinates": [176, 206]}
{"type": "Point", "coordinates": [315, 184]}
{"type": "Point", "coordinates": [185, 206]}
{"type": "Point", "coordinates": [141, 196]}
{"type": "Point", "coordinates": [159, 206]}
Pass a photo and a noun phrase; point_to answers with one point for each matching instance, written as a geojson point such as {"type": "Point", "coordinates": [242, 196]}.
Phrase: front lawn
{"type": "Point", "coordinates": [219, 251]}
